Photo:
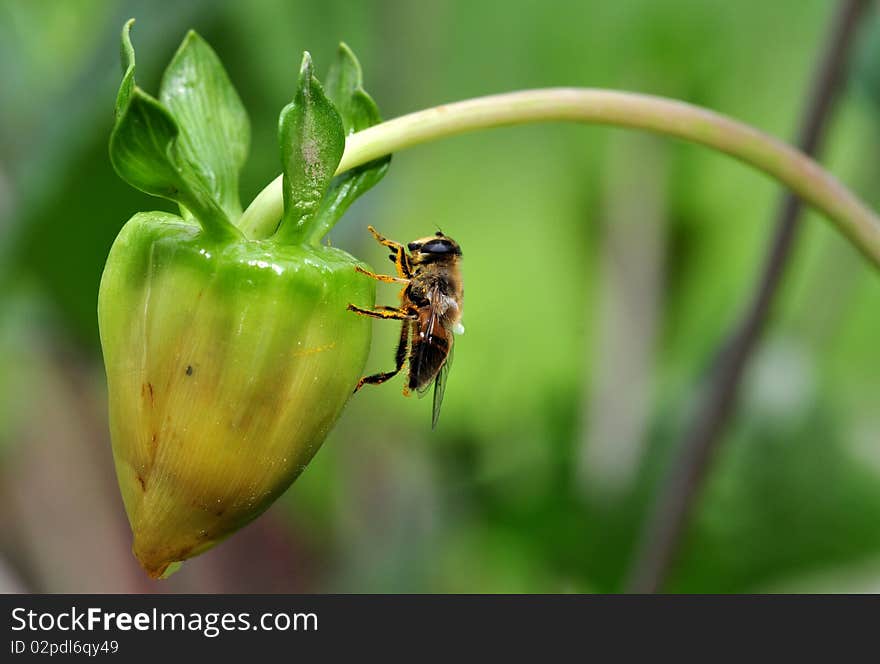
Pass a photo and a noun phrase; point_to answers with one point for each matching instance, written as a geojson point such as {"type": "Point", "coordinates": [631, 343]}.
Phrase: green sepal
{"type": "Point", "coordinates": [145, 151]}
{"type": "Point", "coordinates": [358, 110]}
{"type": "Point", "coordinates": [214, 128]}
{"type": "Point", "coordinates": [345, 88]}
{"type": "Point", "coordinates": [312, 140]}
{"type": "Point", "coordinates": [126, 57]}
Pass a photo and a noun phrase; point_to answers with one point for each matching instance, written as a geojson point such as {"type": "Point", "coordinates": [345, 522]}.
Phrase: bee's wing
{"type": "Point", "coordinates": [427, 355]}
{"type": "Point", "coordinates": [429, 352]}
{"type": "Point", "coordinates": [440, 389]}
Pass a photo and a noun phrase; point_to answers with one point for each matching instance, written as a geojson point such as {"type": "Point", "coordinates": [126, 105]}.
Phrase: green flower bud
{"type": "Point", "coordinates": [228, 358]}
{"type": "Point", "coordinates": [227, 365]}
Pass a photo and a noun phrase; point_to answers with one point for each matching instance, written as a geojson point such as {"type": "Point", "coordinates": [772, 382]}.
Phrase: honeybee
{"type": "Point", "coordinates": [430, 308]}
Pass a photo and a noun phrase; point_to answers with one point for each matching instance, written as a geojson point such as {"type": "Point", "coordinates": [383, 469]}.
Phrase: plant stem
{"type": "Point", "coordinates": [801, 174]}
{"type": "Point", "coordinates": [668, 519]}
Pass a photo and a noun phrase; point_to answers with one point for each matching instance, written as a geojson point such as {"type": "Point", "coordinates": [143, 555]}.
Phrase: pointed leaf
{"type": "Point", "coordinates": [358, 111]}
{"type": "Point", "coordinates": [144, 150]}
{"type": "Point", "coordinates": [140, 146]}
{"type": "Point", "coordinates": [345, 89]}
{"type": "Point", "coordinates": [214, 128]}
{"type": "Point", "coordinates": [312, 140]}
{"type": "Point", "coordinates": [126, 53]}
{"type": "Point", "coordinates": [143, 130]}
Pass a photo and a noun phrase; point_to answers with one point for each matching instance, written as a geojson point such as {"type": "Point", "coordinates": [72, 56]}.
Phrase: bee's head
{"type": "Point", "coordinates": [433, 248]}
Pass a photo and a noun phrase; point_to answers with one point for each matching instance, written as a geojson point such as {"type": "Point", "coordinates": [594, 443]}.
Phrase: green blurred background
{"type": "Point", "coordinates": [602, 269]}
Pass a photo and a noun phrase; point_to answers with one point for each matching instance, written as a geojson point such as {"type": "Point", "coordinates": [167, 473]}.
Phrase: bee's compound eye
{"type": "Point", "coordinates": [437, 247]}
{"type": "Point", "coordinates": [414, 246]}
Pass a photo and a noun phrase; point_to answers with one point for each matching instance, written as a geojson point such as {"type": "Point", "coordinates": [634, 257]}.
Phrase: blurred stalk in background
{"type": "Point", "coordinates": [677, 497]}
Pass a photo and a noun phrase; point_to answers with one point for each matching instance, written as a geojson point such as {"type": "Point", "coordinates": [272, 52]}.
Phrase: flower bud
{"type": "Point", "coordinates": [229, 351]}
{"type": "Point", "coordinates": [227, 365]}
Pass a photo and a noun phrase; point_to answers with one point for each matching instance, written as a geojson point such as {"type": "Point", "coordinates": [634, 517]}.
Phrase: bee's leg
{"type": "Point", "coordinates": [399, 257]}
{"type": "Point", "coordinates": [399, 359]}
{"type": "Point", "coordinates": [382, 277]}
{"type": "Point", "coordinates": [387, 313]}
{"type": "Point", "coordinates": [401, 262]}
{"type": "Point", "coordinates": [384, 241]}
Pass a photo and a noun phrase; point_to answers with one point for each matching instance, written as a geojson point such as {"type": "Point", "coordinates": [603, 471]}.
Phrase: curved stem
{"type": "Point", "coordinates": [801, 174]}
